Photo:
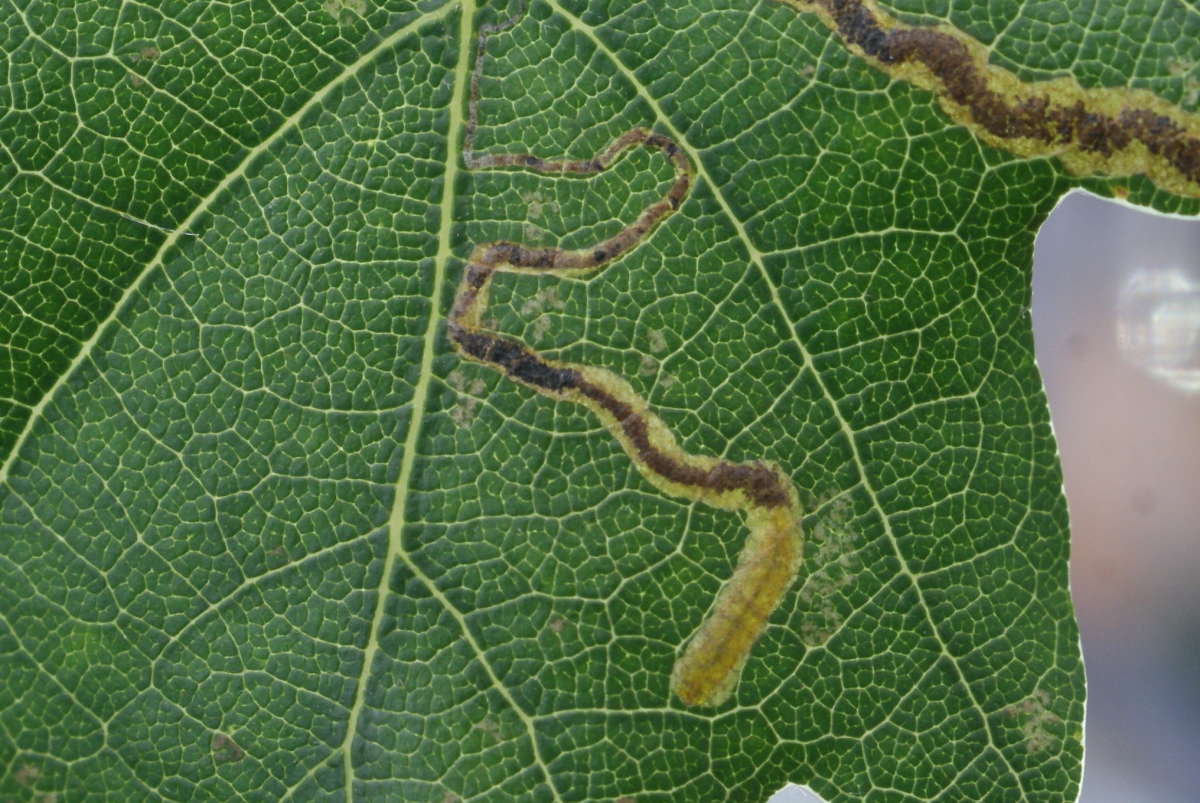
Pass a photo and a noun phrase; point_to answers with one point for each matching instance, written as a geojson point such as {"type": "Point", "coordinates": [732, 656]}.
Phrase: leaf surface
{"type": "Point", "coordinates": [272, 532]}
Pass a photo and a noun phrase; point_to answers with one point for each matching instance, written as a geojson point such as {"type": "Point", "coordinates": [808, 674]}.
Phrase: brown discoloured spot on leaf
{"type": "Point", "coordinates": [537, 206]}
{"type": "Point", "coordinates": [467, 404]}
{"type": "Point", "coordinates": [225, 750]}
{"type": "Point", "coordinates": [539, 329]}
{"type": "Point", "coordinates": [464, 411]}
{"type": "Point", "coordinates": [335, 8]}
{"type": "Point", "coordinates": [27, 774]}
{"type": "Point", "coordinates": [531, 233]}
{"type": "Point", "coordinates": [657, 340]}
{"type": "Point", "coordinates": [831, 552]}
{"type": "Point", "coordinates": [1037, 722]}
{"type": "Point", "coordinates": [545, 298]}
{"type": "Point", "coordinates": [489, 726]}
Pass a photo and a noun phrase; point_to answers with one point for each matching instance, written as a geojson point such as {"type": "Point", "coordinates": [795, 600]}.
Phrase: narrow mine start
{"type": "Point", "coordinates": [707, 671]}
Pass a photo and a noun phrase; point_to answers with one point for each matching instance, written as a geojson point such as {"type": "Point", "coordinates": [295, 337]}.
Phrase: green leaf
{"type": "Point", "coordinates": [272, 530]}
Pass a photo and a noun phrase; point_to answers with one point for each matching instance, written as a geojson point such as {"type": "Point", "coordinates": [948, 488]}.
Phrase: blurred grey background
{"type": "Point", "coordinates": [1116, 317]}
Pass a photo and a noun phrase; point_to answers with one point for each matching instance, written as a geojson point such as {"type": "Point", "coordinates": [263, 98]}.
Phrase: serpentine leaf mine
{"type": "Point", "coordinates": [1114, 132]}
{"type": "Point", "coordinates": [1101, 131]}
{"type": "Point", "coordinates": [707, 671]}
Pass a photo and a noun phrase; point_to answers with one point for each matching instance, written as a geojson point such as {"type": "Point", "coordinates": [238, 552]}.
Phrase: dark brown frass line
{"type": "Point", "coordinates": [707, 671]}
{"type": "Point", "coordinates": [527, 366]}
{"type": "Point", "coordinates": [1036, 117]}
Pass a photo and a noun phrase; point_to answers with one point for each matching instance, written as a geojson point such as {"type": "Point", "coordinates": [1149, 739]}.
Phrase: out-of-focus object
{"type": "Point", "coordinates": [1115, 318]}
{"type": "Point", "coordinates": [793, 793]}
{"type": "Point", "coordinates": [1158, 325]}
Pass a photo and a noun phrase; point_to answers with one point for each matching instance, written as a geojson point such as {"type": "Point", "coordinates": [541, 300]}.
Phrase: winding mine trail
{"type": "Point", "coordinates": [707, 671]}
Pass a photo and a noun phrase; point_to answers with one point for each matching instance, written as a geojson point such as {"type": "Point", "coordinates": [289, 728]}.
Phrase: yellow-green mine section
{"type": "Point", "coordinates": [707, 671]}
{"type": "Point", "coordinates": [1064, 94]}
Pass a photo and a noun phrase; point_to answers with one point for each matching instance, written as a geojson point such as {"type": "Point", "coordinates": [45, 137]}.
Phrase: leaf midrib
{"type": "Point", "coordinates": [202, 207]}
{"type": "Point", "coordinates": [398, 518]}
